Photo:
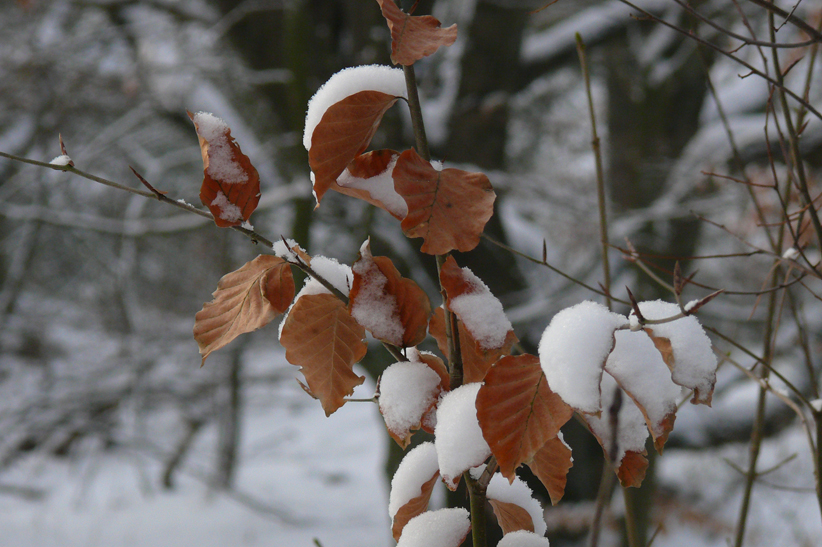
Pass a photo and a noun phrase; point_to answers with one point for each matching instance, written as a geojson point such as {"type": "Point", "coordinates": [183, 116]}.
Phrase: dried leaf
{"type": "Point", "coordinates": [448, 208]}
{"type": "Point", "coordinates": [415, 507]}
{"type": "Point", "coordinates": [393, 308]}
{"type": "Point", "coordinates": [231, 185]}
{"type": "Point", "coordinates": [518, 412]}
{"type": "Point", "coordinates": [344, 132]}
{"type": "Point", "coordinates": [369, 177]}
{"type": "Point", "coordinates": [632, 469]}
{"type": "Point", "coordinates": [551, 464]}
{"type": "Point", "coordinates": [244, 301]}
{"type": "Point", "coordinates": [511, 517]}
{"type": "Point", "coordinates": [412, 37]}
{"type": "Point", "coordinates": [663, 345]}
{"type": "Point", "coordinates": [321, 337]}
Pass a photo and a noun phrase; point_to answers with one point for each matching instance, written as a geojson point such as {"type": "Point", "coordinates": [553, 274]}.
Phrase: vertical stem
{"type": "Point", "coordinates": [476, 495]}
{"type": "Point", "coordinates": [817, 468]}
{"type": "Point", "coordinates": [420, 140]}
{"type": "Point", "coordinates": [603, 216]}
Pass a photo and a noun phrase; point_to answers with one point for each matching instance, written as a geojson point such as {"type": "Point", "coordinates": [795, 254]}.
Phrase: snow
{"type": "Point", "coordinates": [283, 250]}
{"type": "Point", "coordinates": [481, 313]}
{"type": "Point", "coordinates": [790, 254]}
{"type": "Point", "coordinates": [221, 163]}
{"type": "Point", "coordinates": [520, 494]}
{"type": "Point", "coordinates": [380, 187]}
{"type": "Point", "coordinates": [816, 404]}
{"type": "Point", "coordinates": [442, 528]}
{"type": "Point", "coordinates": [228, 211]}
{"type": "Point", "coordinates": [374, 308]}
{"type": "Point", "coordinates": [631, 429]}
{"type": "Point", "coordinates": [339, 275]}
{"type": "Point", "coordinates": [573, 350]}
{"type": "Point", "coordinates": [458, 437]}
{"type": "Point", "coordinates": [415, 469]}
{"type": "Point", "coordinates": [638, 367]}
{"type": "Point", "coordinates": [61, 160]}
{"type": "Point", "coordinates": [523, 538]}
{"type": "Point", "coordinates": [695, 366]}
{"type": "Point", "coordinates": [407, 390]}
{"type": "Point", "coordinates": [347, 82]}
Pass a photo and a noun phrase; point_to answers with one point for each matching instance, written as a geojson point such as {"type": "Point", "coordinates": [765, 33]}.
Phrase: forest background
{"type": "Point", "coordinates": [111, 433]}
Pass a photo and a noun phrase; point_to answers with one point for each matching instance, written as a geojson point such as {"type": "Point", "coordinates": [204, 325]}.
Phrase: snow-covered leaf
{"type": "Point", "coordinates": [573, 350]}
{"type": "Point", "coordinates": [523, 538]}
{"type": "Point", "coordinates": [369, 177]}
{"type": "Point", "coordinates": [458, 436]}
{"type": "Point", "coordinates": [518, 412]}
{"type": "Point", "coordinates": [412, 485]}
{"type": "Point", "coordinates": [393, 308]}
{"type": "Point", "coordinates": [321, 337]}
{"type": "Point", "coordinates": [231, 185]}
{"type": "Point", "coordinates": [408, 390]}
{"type": "Point", "coordinates": [412, 37]}
{"type": "Point", "coordinates": [447, 208]}
{"type": "Point", "coordinates": [515, 506]}
{"type": "Point", "coordinates": [245, 300]}
{"type": "Point", "coordinates": [441, 528]}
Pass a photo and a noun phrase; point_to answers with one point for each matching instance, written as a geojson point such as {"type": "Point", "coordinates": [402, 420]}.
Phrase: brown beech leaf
{"type": "Point", "coordinates": [632, 469]}
{"type": "Point", "coordinates": [663, 345]}
{"type": "Point", "coordinates": [448, 208]}
{"type": "Point", "coordinates": [245, 300]}
{"type": "Point", "coordinates": [369, 177]}
{"type": "Point", "coordinates": [321, 337]}
{"type": "Point", "coordinates": [393, 308]}
{"type": "Point", "coordinates": [475, 361]}
{"type": "Point", "coordinates": [344, 132]}
{"type": "Point", "coordinates": [231, 185]}
{"type": "Point", "coordinates": [412, 37]}
{"type": "Point", "coordinates": [511, 517]}
{"type": "Point", "coordinates": [416, 506]}
{"type": "Point", "coordinates": [517, 411]}
{"type": "Point", "coordinates": [551, 464]}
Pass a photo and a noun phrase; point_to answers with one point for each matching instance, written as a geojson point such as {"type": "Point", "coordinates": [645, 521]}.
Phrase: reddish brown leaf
{"type": "Point", "coordinates": [511, 517]}
{"type": "Point", "coordinates": [231, 185]}
{"type": "Point", "coordinates": [244, 301]}
{"type": "Point", "coordinates": [344, 132]}
{"type": "Point", "coordinates": [475, 361]}
{"type": "Point", "coordinates": [518, 412]}
{"type": "Point", "coordinates": [413, 38]}
{"type": "Point", "coordinates": [393, 308]}
{"type": "Point", "coordinates": [632, 469]}
{"type": "Point", "coordinates": [369, 177]}
{"type": "Point", "coordinates": [664, 347]}
{"type": "Point", "coordinates": [448, 208]}
{"type": "Point", "coordinates": [429, 419]}
{"type": "Point", "coordinates": [321, 337]}
{"type": "Point", "coordinates": [551, 464]}
{"type": "Point", "coordinates": [416, 506]}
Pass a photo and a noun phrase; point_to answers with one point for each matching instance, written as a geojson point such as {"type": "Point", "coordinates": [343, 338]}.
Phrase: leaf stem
{"type": "Point", "coordinates": [476, 495]}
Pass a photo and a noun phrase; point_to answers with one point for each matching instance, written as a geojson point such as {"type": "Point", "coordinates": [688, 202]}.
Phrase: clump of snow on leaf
{"type": "Point", "coordinates": [631, 428]}
{"type": "Point", "coordinates": [374, 308]}
{"type": "Point", "coordinates": [284, 249]}
{"type": "Point", "coordinates": [695, 362]}
{"type": "Point", "coordinates": [573, 350]}
{"type": "Point", "coordinates": [221, 163]}
{"type": "Point", "coordinates": [415, 469]}
{"type": "Point", "coordinates": [228, 211]}
{"type": "Point", "coordinates": [61, 160]}
{"type": "Point", "coordinates": [407, 390]}
{"type": "Point", "coordinates": [338, 275]}
{"type": "Point", "coordinates": [638, 367]}
{"type": "Point", "coordinates": [523, 538]}
{"type": "Point", "coordinates": [380, 187]}
{"type": "Point", "coordinates": [519, 494]}
{"type": "Point", "coordinates": [347, 82]}
{"type": "Point", "coordinates": [481, 313]}
{"type": "Point", "coordinates": [442, 528]}
{"type": "Point", "coordinates": [458, 437]}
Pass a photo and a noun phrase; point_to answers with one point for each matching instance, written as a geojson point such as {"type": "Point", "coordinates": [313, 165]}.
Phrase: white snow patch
{"type": "Point", "coordinates": [221, 163]}
{"type": "Point", "coordinates": [415, 469]}
{"type": "Point", "coordinates": [573, 350]}
{"type": "Point", "coordinates": [407, 390]}
{"type": "Point", "coordinates": [481, 313]}
{"type": "Point", "coordinates": [519, 494]}
{"type": "Point", "coordinates": [631, 428]}
{"type": "Point", "coordinates": [61, 160]}
{"type": "Point", "coordinates": [380, 187]}
{"type": "Point", "coordinates": [523, 538]}
{"type": "Point", "coordinates": [638, 367]}
{"type": "Point", "coordinates": [695, 362]}
{"type": "Point", "coordinates": [283, 249]}
{"type": "Point", "coordinates": [374, 308]}
{"type": "Point", "coordinates": [228, 211]}
{"type": "Point", "coordinates": [458, 437]}
{"type": "Point", "coordinates": [347, 82]}
{"type": "Point", "coordinates": [442, 528]}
